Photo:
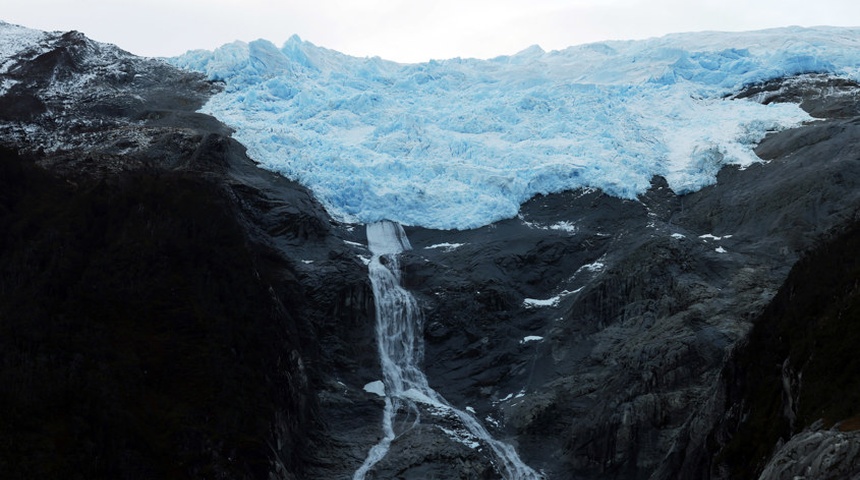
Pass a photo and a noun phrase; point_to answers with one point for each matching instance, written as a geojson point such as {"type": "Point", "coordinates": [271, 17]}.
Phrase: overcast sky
{"type": "Point", "coordinates": [411, 30]}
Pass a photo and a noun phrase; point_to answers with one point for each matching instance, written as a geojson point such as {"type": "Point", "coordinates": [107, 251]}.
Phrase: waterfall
{"type": "Point", "coordinates": [399, 334]}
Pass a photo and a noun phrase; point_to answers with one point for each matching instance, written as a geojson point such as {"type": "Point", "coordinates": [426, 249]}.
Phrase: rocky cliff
{"type": "Point", "coordinates": [168, 310]}
{"type": "Point", "coordinates": [160, 314]}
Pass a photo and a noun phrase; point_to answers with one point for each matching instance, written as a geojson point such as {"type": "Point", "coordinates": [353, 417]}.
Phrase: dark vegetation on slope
{"type": "Point", "coordinates": [138, 331]}
{"type": "Point", "coordinates": [800, 362]}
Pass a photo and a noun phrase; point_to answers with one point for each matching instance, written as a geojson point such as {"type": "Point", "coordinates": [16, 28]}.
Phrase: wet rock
{"type": "Point", "coordinates": [816, 453]}
{"type": "Point", "coordinates": [427, 451]}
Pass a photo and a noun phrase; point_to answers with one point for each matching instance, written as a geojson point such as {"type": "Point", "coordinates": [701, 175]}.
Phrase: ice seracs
{"type": "Point", "coordinates": [461, 143]}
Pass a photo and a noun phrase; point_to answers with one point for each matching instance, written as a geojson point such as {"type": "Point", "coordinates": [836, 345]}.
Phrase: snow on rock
{"type": "Point", "coordinates": [536, 302]}
{"type": "Point", "coordinates": [709, 236]}
{"type": "Point", "coordinates": [15, 39]}
{"type": "Point", "coordinates": [447, 247]}
{"type": "Point", "coordinates": [549, 302]}
{"type": "Point", "coordinates": [461, 143]}
{"type": "Point", "coordinates": [376, 387]}
{"type": "Point", "coordinates": [592, 267]}
{"type": "Point", "coordinates": [530, 338]}
{"type": "Point", "coordinates": [564, 226]}
{"type": "Point", "coordinates": [461, 436]}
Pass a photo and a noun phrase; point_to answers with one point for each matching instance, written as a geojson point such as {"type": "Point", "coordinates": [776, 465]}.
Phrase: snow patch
{"type": "Point", "coordinates": [447, 247]}
{"type": "Point", "coordinates": [593, 267]}
{"type": "Point", "coordinates": [564, 226]}
{"type": "Point", "coordinates": [15, 39]}
{"type": "Point", "coordinates": [535, 302]}
{"type": "Point", "coordinates": [530, 338]}
{"type": "Point", "coordinates": [461, 436]}
{"type": "Point", "coordinates": [376, 387]}
{"type": "Point", "coordinates": [720, 250]}
{"type": "Point", "coordinates": [6, 84]}
{"type": "Point", "coordinates": [549, 302]}
{"type": "Point", "coordinates": [678, 236]}
{"type": "Point", "coordinates": [709, 236]}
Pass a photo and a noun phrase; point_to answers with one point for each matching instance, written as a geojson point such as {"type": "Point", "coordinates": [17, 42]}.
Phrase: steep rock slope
{"type": "Point", "coordinates": [793, 396]}
{"type": "Point", "coordinates": [136, 332]}
{"type": "Point", "coordinates": [159, 314]}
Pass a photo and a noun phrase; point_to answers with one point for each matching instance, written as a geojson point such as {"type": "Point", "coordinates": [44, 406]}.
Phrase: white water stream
{"type": "Point", "coordinates": [399, 333]}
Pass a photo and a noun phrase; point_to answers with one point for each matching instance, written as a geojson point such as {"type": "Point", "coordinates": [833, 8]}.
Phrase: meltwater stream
{"type": "Point", "coordinates": [399, 334]}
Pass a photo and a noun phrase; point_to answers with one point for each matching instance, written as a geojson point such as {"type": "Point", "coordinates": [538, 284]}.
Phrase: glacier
{"type": "Point", "coordinates": [461, 143]}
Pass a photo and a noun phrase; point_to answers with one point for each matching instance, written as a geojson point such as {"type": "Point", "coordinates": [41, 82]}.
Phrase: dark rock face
{"type": "Point", "coordinates": [792, 390]}
{"type": "Point", "coordinates": [135, 332]}
{"type": "Point", "coordinates": [169, 310]}
{"type": "Point", "coordinates": [166, 307]}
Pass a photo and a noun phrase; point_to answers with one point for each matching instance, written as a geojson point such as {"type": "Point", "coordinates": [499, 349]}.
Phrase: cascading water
{"type": "Point", "coordinates": [399, 335]}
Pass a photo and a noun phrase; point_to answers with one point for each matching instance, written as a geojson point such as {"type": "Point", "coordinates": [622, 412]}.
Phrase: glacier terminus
{"type": "Point", "coordinates": [460, 143]}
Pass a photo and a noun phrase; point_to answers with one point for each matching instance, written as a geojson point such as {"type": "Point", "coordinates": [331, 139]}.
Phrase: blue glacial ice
{"type": "Point", "coordinates": [460, 143]}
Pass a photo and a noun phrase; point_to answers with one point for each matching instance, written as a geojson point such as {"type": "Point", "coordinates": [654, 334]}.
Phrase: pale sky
{"type": "Point", "coordinates": [411, 30]}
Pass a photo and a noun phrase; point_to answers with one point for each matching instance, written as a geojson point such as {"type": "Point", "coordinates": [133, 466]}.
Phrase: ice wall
{"type": "Point", "coordinates": [461, 143]}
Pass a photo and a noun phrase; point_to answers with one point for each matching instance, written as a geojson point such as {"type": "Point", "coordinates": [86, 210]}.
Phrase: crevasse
{"type": "Point", "coordinates": [461, 143]}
